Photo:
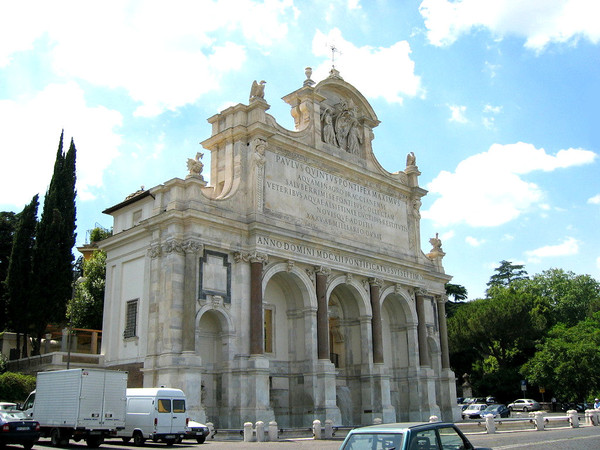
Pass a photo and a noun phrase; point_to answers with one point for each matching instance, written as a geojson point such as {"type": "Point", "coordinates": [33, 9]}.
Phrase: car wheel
{"type": "Point", "coordinates": [126, 439]}
{"type": "Point", "coordinates": [26, 445]}
{"type": "Point", "coordinates": [200, 439]}
{"type": "Point", "coordinates": [138, 439]}
{"type": "Point", "coordinates": [169, 442]}
{"type": "Point", "coordinates": [178, 440]}
{"type": "Point", "coordinates": [510, 408]}
{"type": "Point", "coordinates": [525, 409]}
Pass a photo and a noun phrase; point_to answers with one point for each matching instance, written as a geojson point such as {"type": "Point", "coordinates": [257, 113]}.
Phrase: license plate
{"type": "Point", "coordinates": [22, 428]}
{"type": "Point", "coordinates": [170, 436]}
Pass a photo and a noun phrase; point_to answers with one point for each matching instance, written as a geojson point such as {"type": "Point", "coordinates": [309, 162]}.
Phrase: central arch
{"type": "Point", "coordinates": [288, 313]}
{"type": "Point", "coordinates": [349, 335]}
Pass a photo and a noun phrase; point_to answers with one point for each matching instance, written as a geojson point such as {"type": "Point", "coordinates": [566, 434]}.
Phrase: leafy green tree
{"type": "Point", "coordinates": [8, 223]}
{"type": "Point", "coordinates": [98, 234]}
{"type": "Point", "coordinates": [505, 274]}
{"type": "Point", "coordinates": [86, 308]}
{"type": "Point", "coordinates": [491, 338]}
{"type": "Point", "coordinates": [55, 240]}
{"type": "Point", "coordinates": [565, 297]}
{"type": "Point", "coordinates": [567, 361]}
{"type": "Point", "coordinates": [19, 279]}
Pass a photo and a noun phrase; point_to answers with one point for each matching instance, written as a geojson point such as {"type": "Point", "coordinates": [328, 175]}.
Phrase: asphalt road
{"type": "Point", "coordinates": [583, 438]}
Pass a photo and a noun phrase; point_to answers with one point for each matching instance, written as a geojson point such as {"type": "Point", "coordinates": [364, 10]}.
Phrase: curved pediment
{"type": "Point", "coordinates": [341, 96]}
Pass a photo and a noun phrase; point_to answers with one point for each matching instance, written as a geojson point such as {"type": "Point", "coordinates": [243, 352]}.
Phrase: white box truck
{"type": "Point", "coordinates": [77, 404]}
{"type": "Point", "coordinates": [158, 414]}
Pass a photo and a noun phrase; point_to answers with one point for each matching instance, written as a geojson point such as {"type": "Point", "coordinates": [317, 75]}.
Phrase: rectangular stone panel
{"type": "Point", "coordinates": [328, 202]}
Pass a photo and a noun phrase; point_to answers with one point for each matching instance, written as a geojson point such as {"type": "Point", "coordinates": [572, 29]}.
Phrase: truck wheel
{"type": "Point", "coordinates": [200, 439]}
{"type": "Point", "coordinates": [94, 442]}
{"type": "Point", "coordinates": [55, 438]}
{"type": "Point", "coordinates": [138, 439]}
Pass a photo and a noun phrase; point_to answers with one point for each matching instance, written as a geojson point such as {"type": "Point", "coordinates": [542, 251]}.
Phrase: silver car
{"type": "Point", "coordinates": [524, 404]}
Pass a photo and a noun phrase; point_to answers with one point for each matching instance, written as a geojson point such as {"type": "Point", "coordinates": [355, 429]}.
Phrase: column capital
{"type": "Point", "coordinates": [421, 292]}
{"type": "Point", "coordinates": [322, 270]}
{"type": "Point", "coordinates": [250, 257]}
{"type": "Point", "coordinates": [375, 282]}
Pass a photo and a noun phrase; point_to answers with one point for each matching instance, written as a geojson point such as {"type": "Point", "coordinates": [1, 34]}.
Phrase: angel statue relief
{"type": "Point", "coordinates": [257, 90]}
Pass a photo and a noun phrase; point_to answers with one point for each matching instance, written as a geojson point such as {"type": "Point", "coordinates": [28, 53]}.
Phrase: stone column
{"type": "Point", "coordinates": [322, 315]}
{"type": "Point", "coordinates": [192, 249]}
{"type": "Point", "coordinates": [256, 306]}
{"type": "Point", "coordinates": [424, 359]}
{"type": "Point", "coordinates": [376, 326]}
{"type": "Point", "coordinates": [441, 303]}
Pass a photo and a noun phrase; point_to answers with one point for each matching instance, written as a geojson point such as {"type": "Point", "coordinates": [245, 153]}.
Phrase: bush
{"type": "Point", "coordinates": [15, 387]}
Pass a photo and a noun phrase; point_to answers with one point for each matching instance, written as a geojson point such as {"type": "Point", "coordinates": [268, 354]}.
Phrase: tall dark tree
{"type": "Point", "coordinates": [505, 274]}
{"type": "Point", "coordinates": [8, 223]}
{"type": "Point", "coordinates": [19, 277]}
{"type": "Point", "coordinates": [458, 294]}
{"type": "Point", "coordinates": [53, 257]}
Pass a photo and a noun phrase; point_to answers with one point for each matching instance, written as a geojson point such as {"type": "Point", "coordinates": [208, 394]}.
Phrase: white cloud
{"type": "Point", "coordinates": [447, 235]}
{"type": "Point", "coordinates": [27, 168]}
{"type": "Point", "coordinates": [474, 242]}
{"type": "Point", "coordinates": [570, 246]}
{"type": "Point", "coordinates": [486, 189]}
{"type": "Point", "coordinates": [539, 22]}
{"type": "Point", "coordinates": [458, 113]}
{"type": "Point", "coordinates": [595, 200]}
{"type": "Point", "coordinates": [386, 72]}
{"type": "Point", "coordinates": [163, 55]}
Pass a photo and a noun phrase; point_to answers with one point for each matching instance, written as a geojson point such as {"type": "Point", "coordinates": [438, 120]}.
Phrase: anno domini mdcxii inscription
{"type": "Point", "coordinates": [328, 202]}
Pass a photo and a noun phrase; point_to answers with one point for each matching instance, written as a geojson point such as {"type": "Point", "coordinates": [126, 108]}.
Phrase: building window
{"type": "Point", "coordinates": [131, 319]}
{"type": "Point", "coordinates": [268, 331]}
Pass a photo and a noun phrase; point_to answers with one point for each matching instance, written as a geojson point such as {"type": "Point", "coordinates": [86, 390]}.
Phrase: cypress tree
{"type": "Point", "coordinates": [53, 257]}
{"type": "Point", "coordinates": [19, 277]}
{"type": "Point", "coordinates": [8, 223]}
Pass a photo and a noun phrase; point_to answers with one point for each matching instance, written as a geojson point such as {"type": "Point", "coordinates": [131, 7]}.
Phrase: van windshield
{"type": "Point", "coordinates": [178, 406]}
{"type": "Point", "coordinates": [164, 405]}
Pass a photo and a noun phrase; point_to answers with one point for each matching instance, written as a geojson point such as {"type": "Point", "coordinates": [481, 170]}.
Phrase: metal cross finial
{"type": "Point", "coordinates": [333, 49]}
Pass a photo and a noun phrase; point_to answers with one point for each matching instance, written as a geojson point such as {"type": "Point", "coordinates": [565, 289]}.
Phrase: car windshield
{"type": "Point", "coordinates": [474, 407]}
{"type": "Point", "coordinates": [13, 415]}
{"type": "Point", "coordinates": [374, 441]}
{"type": "Point", "coordinates": [492, 408]}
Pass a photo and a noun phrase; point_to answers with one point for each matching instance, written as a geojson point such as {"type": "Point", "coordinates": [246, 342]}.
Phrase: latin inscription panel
{"type": "Point", "coordinates": [328, 202]}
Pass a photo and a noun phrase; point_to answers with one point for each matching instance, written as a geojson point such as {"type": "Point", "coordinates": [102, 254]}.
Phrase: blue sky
{"type": "Point", "coordinates": [498, 99]}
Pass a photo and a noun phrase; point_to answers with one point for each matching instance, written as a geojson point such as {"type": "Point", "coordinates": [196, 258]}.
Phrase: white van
{"type": "Point", "coordinates": [155, 413]}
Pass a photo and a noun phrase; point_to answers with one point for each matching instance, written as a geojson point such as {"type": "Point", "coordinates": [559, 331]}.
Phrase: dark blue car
{"type": "Point", "coordinates": [16, 428]}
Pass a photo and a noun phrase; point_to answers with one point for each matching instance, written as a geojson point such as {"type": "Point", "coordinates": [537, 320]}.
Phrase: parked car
{"type": "Point", "coordinates": [524, 404]}
{"type": "Point", "coordinates": [496, 411]}
{"type": "Point", "coordinates": [473, 411]}
{"type": "Point", "coordinates": [195, 430]}
{"type": "Point", "coordinates": [405, 436]}
{"type": "Point", "coordinates": [17, 428]}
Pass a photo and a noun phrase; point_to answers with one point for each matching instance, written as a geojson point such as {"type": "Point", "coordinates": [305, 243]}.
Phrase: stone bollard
{"type": "Point", "coordinates": [328, 429]}
{"type": "Point", "coordinates": [538, 416]}
{"type": "Point", "coordinates": [273, 431]}
{"type": "Point", "coordinates": [573, 418]}
{"type": "Point", "coordinates": [211, 430]}
{"type": "Point", "coordinates": [260, 431]}
{"type": "Point", "coordinates": [434, 419]}
{"type": "Point", "coordinates": [490, 424]}
{"type": "Point", "coordinates": [317, 429]}
{"type": "Point", "coordinates": [248, 432]}
{"type": "Point", "coordinates": [591, 416]}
